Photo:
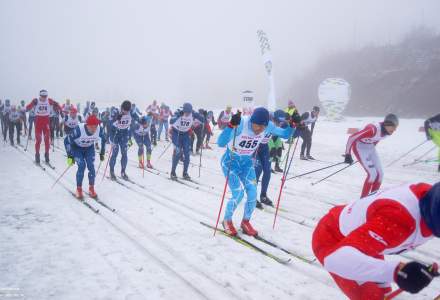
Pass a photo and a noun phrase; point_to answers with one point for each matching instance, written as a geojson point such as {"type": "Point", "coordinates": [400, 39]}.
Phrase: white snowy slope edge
{"type": "Point", "coordinates": [153, 246]}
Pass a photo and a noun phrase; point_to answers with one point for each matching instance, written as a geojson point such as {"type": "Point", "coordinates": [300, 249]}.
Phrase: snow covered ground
{"type": "Point", "coordinates": [153, 246]}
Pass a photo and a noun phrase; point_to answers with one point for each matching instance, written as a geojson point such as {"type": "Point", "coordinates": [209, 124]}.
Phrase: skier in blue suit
{"type": "Point", "coordinates": [238, 159]}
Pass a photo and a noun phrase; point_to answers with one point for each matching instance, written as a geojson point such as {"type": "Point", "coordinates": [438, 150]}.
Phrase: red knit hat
{"type": "Point", "coordinates": [92, 120]}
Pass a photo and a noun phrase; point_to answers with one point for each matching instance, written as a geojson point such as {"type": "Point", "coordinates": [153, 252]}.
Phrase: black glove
{"type": "Point", "coordinates": [180, 112]}
{"type": "Point", "coordinates": [101, 156]}
{"type": "Point", "coordinates": [235, 119]}
{"type": "Point", "coordinates": [414, 277]}
{"type": "Point", "coordinates": [119, 117]}
{"type": "Point", "coordinates": [348, 159]}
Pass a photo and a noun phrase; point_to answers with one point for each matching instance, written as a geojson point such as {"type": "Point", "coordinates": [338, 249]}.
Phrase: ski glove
{"type": "Point", "coordinates": [235, 120]}
{"type": "Point", "coordinates": [130, 142]}
{"type": "Point", "coordinates": [180, 113]}
{"type": "Point", "coordinates": [414, 276]}
{"type": "Point", "coordinates": [348, 159]}
{"type": "Point", "coordinates": [70, 160]}
{"type": "Point", "coordinates": [101, 156]}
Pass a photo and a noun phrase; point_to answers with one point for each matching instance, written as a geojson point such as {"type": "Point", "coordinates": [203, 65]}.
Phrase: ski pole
{"type": "Point", "coordinates": [62, 174]}
{"type": "Point", "coordinates": [99, 166]}
{"type": "Point", "coordinates": [226, 181]}
{"type": "Point", "coordinates": [419, 158]}
{"type": "Point", "coordinates": [402, 156]}
{"type": "Point", "coordinates": [283, 179]}
{"type": "Point", "coordinates": [393, 294]}
{"type": "Point", "coordinates": [27, 142]}
{"type": "Point", "coordinates": [165, 150]}
{"type": "Point", "coordinates": [334, 173]}
{"type": "Point", "coordinates": [201, 149]}
{"type": "Point", "coordinates": [108, 160]}
{"type": "Point", "coordinates": [317, 170]}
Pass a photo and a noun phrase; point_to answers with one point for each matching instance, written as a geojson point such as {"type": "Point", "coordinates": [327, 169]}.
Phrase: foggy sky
{"type": "Point", "coordinates": [203, 51]}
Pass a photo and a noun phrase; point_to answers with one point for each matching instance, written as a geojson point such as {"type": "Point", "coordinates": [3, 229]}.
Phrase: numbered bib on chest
{"type": "Point", "coordinates": [72, 123]}
{"type": "Point", "coordinates": [226, 118]}
{"type": "Point", "coordinates": [247, 142]}
{"type": "Point", "coordinates": [184, 123]}
{"type": "Point", "coordinates": [266, 138]}
{"type": "Point", "coordinates": [42, 108]}
{"type": "Point", "coordinates": [86, 140]}
{"type": "Point", "coordinates": [123, 123]}
{"type": "Point", "coordinates": [142, 131]}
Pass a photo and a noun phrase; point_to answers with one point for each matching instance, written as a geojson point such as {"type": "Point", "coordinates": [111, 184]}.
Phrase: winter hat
{"type": "Point", "coordinates": [279, 115]}
{"type": "Point", "coordinates": [44, 93]}
{"type": "Point", "coordinates": [187, 107]}
{"type": "Point", "coordinates": [260, 116]}
{"type": "Point", "coordinates": [126, 105]}
{"type": "Point", "coordinates": [391, 120]}
{"type": "Point", "coordinates": [316, 108]}
{"type": "Point", "coordinates": [290, 103]}
{"type": "Point", "coordinates": [73, 110]}
{"type": "Point", "coordinates": [92, 120]}
{"type": "Point", "coordinates": [430, 209]}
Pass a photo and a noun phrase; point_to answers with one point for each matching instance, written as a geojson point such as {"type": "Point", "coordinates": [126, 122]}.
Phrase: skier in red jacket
{"type": "Point", "coordinates": [363, 144]}
{"type": "Point", "coordinates": [42, 107]}
{"type": "Point", "coordinates": [351, 240]}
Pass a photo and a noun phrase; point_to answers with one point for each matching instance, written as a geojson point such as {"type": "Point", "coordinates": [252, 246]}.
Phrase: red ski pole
{"type": "Point", "coordinates": [393, 294]}
{"type": "Point", "coordinates": [226, 183]}
{"type": "Point", "coordinates": [283, 180]}
{"type": "Point", "coordinates": [62, 174]}
{"type": "Point", "coordinates": [108, 160]}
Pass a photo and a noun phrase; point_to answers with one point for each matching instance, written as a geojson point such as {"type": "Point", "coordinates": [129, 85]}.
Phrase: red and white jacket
{"type": "Point", "coordinates": [42, 109]}
{"type": "Point", "coordinates": [386, 223]}
{"type": "Point", "coordinates": [371, 134]}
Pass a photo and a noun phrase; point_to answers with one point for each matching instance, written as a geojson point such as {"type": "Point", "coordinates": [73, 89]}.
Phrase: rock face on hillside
{"type": "Point", "coordinates": [402, 78]}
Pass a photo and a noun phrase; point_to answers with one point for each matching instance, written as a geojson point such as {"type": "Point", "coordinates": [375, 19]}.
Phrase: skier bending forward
{"type": "Point", "coordinates": [351, 240]}
{"type": "Point", "coordinates": [248, 133]}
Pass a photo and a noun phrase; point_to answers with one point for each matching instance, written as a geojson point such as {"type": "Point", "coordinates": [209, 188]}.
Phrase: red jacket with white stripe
{"type": "Point", "coordinates": [371, 134]}
{"type": "Point", "coordinates": [386, 223]}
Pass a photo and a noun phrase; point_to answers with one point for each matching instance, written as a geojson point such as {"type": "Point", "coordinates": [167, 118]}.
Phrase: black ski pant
{"type": "Point", "coordinates": [306, 136]}
{"type": "Point", "coordinates": [12, 127]}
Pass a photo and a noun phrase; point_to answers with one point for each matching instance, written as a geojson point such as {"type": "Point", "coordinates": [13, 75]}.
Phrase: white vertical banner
{"type": "Point", "coordinates": [267, 61]}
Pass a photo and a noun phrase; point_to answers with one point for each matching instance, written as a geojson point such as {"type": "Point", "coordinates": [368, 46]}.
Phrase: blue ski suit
{"type": "Point", "coordinates": [181, 124]}
{"type": "Point", "coordinates": [238, 160]}
{"type": "Point", "coordinates": [81, 145]}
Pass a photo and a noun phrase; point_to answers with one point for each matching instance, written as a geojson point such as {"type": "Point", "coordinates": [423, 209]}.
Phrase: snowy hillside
{"type": "Point", "coordinates": [154, 247]}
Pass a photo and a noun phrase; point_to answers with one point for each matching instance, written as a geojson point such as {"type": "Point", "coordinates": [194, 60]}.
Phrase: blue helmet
{"type": "Point", "coordinates": [260, 116]}
{"type": "Point", "coordinates": [187, 107]}
{"type": "Point", "coordinates": [279, 116]}
{"type": "Point", "coordinates": [144, 120]}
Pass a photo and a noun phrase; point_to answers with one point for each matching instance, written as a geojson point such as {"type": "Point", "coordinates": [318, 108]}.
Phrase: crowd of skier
{"type": "Point", "coordinates": [349, 241]}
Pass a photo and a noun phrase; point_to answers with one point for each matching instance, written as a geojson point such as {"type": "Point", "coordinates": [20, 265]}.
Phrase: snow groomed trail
{"type": "Point", "coordinates": [154, 246]}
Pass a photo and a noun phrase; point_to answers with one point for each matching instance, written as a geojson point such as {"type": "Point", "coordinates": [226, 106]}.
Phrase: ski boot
{"type": "Point", "coordinates": [112, 175]}
{"type": "Point", "coordinates": [46, 158]}
{"type": "Point", "coordinates": [124, 176]}
{"type": "Point", "coordinates": [247, 228]}
{"type": "Point", "coordinates": [266, 201]}
{"type": "Point", "coordinates": [173, 176]}
{"type": "Point", "coordinates": [208, 147]}
{"type": "Point", "coordinates": [302, 157]}
{"type": "Point", "coordinates": [278, 169]}
{"type": "Point", "coordinates": [141, 161]}
{"type": "Point", "coordinates": [79, 193]}
{"type": "Point", "coordinates": [37, 158]}
{"type": "Point", "coordinates": [310, 157]}
{"type": "Point", "coordinates": [259, 205]}
{"type": "Point", "coordinates": [149, 165]}
{"type": "Point", "coordinates": [92, 192]}
{"type": "Point", "coordinates": [229, 228]}
{"type": "Point", "coordinates": [186, 176]}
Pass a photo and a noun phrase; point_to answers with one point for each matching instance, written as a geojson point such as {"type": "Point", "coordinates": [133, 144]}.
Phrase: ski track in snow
{"type": "Point", "coordinates": [153, 245]}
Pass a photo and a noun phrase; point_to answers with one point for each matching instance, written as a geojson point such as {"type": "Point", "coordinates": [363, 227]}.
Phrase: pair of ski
{"type": "Point", "coordinates": [250, 245]}
{"type": "Point", "coordinates": [88, 205]}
